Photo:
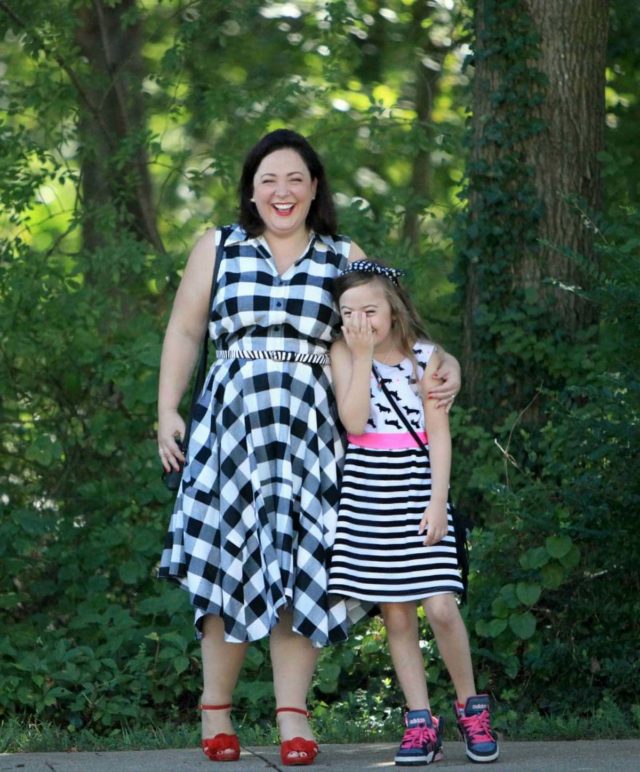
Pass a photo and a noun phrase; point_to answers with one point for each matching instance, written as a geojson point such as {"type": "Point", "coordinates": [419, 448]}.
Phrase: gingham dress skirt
{"type": "Point", "coordinates": [255, 516]}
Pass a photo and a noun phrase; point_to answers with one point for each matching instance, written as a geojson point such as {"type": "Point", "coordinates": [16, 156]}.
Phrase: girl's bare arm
{"type": "Point", "coordinates": [439, 435]}
{"type": "Point", "coordinates": [351, 381]}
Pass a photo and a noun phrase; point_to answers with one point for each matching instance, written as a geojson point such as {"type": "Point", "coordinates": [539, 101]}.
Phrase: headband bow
{"type": "Point", "coordinates": [366, 266]}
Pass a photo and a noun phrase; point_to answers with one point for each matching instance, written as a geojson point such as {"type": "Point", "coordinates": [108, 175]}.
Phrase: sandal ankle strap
{"type": "Point", "coordinates": [301, 711]}
{"type": "Point", "coordinates": [215, 707]}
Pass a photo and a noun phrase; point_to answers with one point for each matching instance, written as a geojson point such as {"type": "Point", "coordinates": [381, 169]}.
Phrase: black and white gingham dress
{"type": "Point", "coordinates": [378, 555]}
{"type": "Point", "coordinates": [255, 517]}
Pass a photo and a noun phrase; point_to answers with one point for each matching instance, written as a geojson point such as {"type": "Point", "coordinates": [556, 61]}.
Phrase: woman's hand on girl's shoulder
{"type": "Point", "coordinates": [429, 386]}
{"type": "Point", "coordinates": [444, 380]}
{"type": "Point", "coordinates": [430, 381]}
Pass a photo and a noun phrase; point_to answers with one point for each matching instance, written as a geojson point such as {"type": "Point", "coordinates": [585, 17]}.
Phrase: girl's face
{"type": "Point", "coordinates": [283, 191]}
{"type": "Point", "coordinates": [368, 301]}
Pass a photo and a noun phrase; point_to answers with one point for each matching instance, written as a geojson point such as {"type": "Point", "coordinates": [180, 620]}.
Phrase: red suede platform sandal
{"type": "Point", "coordinates": [297, 752]}
{"type": "Point", "coordinates": [222, 747]}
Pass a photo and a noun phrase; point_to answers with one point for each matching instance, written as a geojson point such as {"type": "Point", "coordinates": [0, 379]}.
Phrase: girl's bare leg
{"type": "Point", "coordinates": [451, 636]}
{"type": "Point", "coordinates": [401, 621]}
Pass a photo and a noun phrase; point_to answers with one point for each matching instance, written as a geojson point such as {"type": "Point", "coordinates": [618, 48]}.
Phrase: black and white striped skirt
{"type": "Point", "coordinates": [378, 554]}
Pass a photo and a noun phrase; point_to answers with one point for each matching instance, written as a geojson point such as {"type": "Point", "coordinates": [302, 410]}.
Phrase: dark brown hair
{"type": "Point", "coordinates": [322, 214]}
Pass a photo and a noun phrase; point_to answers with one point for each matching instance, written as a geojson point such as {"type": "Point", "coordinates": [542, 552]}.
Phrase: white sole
{"type": "Point", "coordinates": [402, 761]}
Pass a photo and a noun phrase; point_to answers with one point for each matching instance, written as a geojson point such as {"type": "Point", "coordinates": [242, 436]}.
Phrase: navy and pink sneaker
{"type": "Point", "coordinates": [422, 741]}
{"type": "Point", "coordinates": [474, 724]}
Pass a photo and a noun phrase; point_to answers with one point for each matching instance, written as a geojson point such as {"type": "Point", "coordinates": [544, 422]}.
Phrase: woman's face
{"type": "Point", "coordinates": [283, 191]}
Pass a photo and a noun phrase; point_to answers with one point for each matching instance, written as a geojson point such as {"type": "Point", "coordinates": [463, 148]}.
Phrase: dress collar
{"type": "Point", "coordinates": [238, 235]}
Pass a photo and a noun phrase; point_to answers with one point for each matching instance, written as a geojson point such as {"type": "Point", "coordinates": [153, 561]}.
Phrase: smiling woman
{"type": "Point", "coordinates": [254, 519]}
{"type": "Point", "coordinates": [253, 522]}
{"type": "Point", "coordinates": [283, 192]}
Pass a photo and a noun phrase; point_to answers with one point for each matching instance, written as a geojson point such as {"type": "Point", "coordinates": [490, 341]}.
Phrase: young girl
{"type": "Point", "coordinates": [395, 543]}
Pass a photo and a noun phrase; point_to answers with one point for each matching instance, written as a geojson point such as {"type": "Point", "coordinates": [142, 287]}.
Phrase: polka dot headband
{"type": "Point", "coordinates": [366, 266]}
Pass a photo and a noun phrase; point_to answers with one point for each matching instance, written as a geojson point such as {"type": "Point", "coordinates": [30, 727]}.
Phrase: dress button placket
{"type": "Point", "coordinates": [277, 303]}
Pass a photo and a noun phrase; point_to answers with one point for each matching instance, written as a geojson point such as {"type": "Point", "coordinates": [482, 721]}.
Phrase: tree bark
{"type": "Point", "coordinates": [426, 83]}
{"type": "Point", "coordinates": [534, 181]}
{"type": "Point", "coordinates": [573, 41]}
{"type": "Point", "coordinates": [114, 168]}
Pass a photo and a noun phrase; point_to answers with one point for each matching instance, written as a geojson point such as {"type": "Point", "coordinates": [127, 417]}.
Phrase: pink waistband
{"type": "Point", "coordinates": [386, 440]}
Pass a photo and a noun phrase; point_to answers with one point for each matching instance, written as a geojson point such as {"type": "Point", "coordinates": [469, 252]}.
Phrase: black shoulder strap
{"type": "Point", "coordinates": [202, 364]}
{"type": "Point", "coordinates": [399, 410]}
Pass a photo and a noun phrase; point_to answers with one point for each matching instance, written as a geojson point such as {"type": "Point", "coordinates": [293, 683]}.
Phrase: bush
{"type": "Point", "coordinates": [555, 589]}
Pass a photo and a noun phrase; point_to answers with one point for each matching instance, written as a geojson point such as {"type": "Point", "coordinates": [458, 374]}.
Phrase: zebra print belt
{"type": "Point", "coordinates": [278, 356]}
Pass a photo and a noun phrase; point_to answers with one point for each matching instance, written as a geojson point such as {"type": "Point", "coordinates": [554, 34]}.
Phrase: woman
{"type": "Point", "coordinates": [255, 516]}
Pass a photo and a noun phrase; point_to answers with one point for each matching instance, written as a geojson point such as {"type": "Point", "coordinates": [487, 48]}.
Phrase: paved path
{"type": "Point", "coordinates": [582, 756]}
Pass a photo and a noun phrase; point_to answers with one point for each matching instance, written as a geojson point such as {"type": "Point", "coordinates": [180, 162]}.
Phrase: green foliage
{"type": "Point", "coordinates": [555, 591]}
{"type": "Point", "coordinates": [506, 320]}
{"type": "Point", "coordinates": [623, 104]}
{"type": "Point", "coordinates": [550, 448]}
{"type": "Point", "coordinates": [94, 645]}
{"type": "Point", "coordinates": [94, 640]}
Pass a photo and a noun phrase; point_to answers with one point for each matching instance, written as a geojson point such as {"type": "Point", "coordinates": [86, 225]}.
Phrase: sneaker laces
{"type": "Point", "coordinates": [418, 737]}
{"type": "Point", "coordinates": [478, 727]}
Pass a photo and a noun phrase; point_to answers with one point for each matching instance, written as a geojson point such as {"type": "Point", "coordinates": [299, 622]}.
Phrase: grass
{"type": "Point", "coordinates": [331, 726]}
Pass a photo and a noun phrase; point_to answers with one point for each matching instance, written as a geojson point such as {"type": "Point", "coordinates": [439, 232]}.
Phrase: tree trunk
{"type": "Point", "coordinates": [538, 122]}
{"type": "Point", "coordinates": [116, 185]}
{"type": "Point", "coordinates": [573, 42]}
{"type": "Point", "coordinates": [426, 79]}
